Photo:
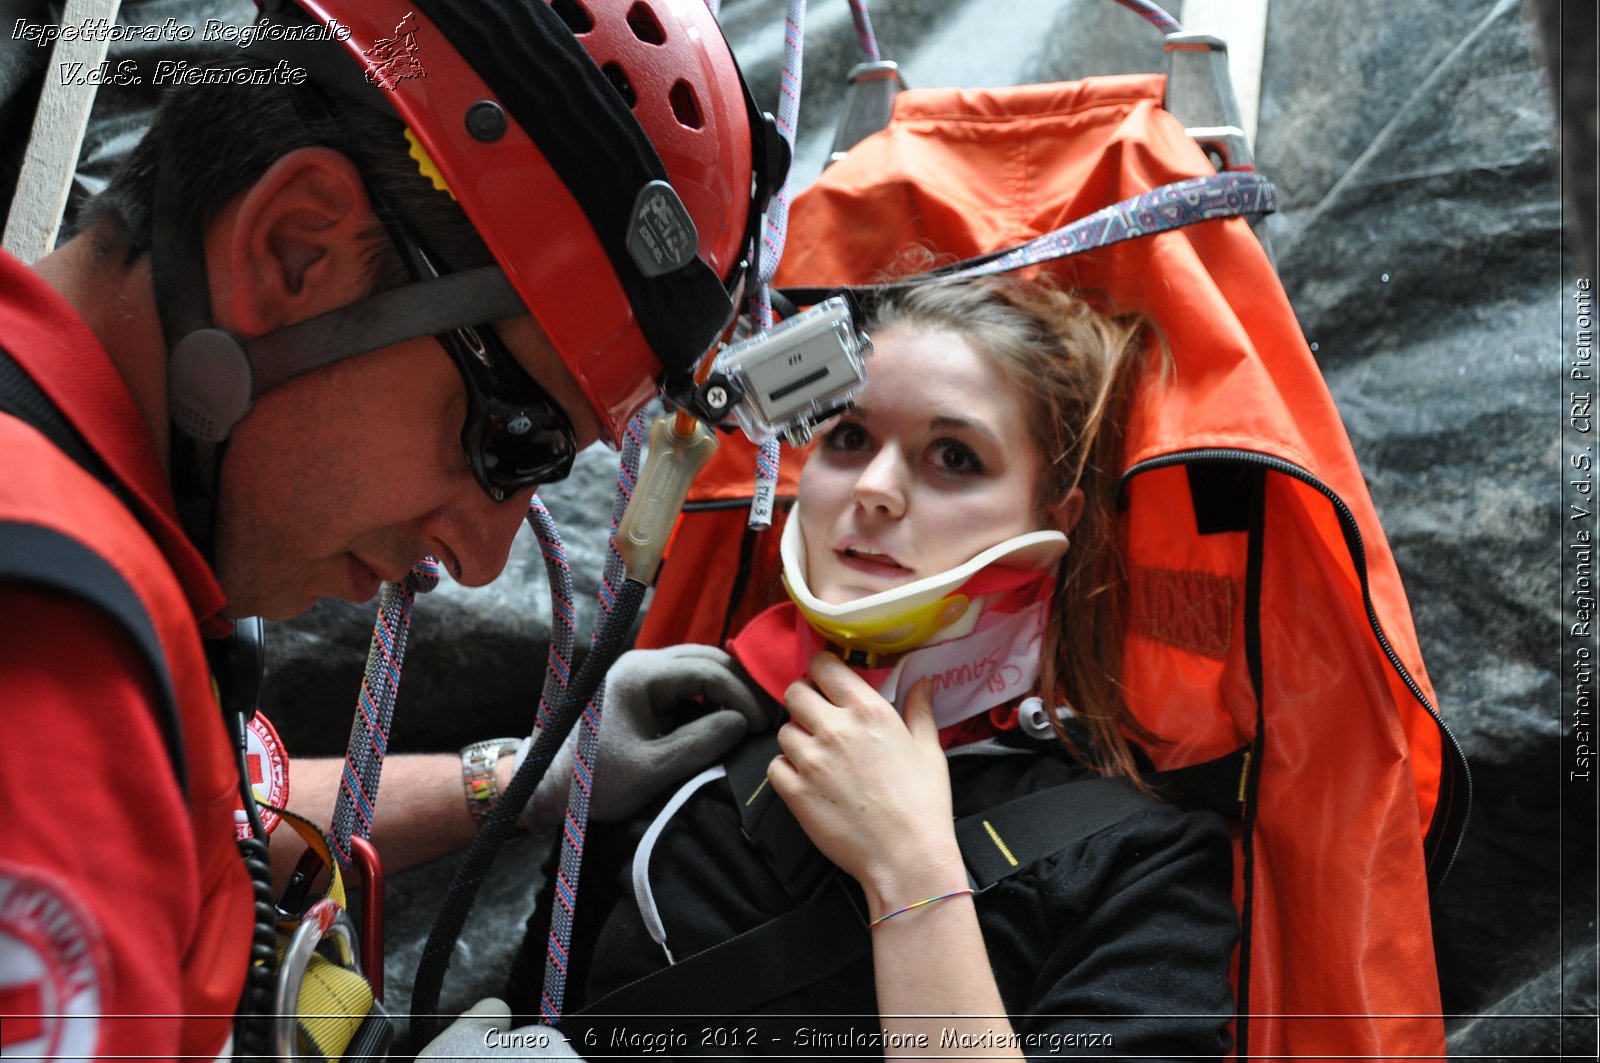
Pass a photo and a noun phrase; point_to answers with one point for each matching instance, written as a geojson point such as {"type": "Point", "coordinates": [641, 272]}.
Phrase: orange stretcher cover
{"type": "Point", "coordinates": [1341, 960]}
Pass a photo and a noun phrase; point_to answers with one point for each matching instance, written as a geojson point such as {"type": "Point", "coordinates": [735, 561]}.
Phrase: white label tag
{"type": "Point", "coordinates": [978, 672]}
{"type": "Point", "coordinates": [761, 503]}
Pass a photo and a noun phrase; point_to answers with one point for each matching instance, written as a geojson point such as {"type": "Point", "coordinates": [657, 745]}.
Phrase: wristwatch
{"type": "Point", "coordinates": [478, 763]}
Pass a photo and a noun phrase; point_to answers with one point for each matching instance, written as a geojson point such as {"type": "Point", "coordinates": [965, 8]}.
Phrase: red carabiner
{"type": "Point", "coordinates": [366, 862]}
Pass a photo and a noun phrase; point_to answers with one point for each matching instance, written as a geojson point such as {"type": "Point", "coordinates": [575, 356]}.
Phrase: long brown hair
{"type": "Point", "coordinates": [1073, 366]}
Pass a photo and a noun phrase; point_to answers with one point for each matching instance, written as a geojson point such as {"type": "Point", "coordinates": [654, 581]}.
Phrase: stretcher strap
{"type": "Point", "coordinates": [1212, 197]}
{"type": "Point", "coordinates": [369, 730]}
{"type": "Point", "coordinates": [1003, 840]}
{"type": "Point", "coordinates": [1172, 206]}
{"type": "Point", "coordinates": [576, 823]}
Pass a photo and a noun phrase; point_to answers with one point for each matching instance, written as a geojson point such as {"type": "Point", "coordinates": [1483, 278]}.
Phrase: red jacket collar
{"type": "Point", "coordinates": [776, 648]}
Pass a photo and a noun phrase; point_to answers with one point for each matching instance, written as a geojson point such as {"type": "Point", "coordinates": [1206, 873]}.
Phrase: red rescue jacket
{"type": "Point", "coordinates": [132, 852]}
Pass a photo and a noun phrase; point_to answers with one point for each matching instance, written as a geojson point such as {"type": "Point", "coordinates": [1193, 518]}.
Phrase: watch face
{"type": "Point", "coordinates": [268, 764]}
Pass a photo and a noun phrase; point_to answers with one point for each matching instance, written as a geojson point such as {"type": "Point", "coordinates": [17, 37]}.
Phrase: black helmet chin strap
{"type": "Point", "coordinates": [183, 302]}
{"type": "Point", "coordinates": [213, 376]}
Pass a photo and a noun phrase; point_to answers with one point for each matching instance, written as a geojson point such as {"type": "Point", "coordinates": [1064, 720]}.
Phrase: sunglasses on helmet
{"type": "Point", "coordinates": [516, 436]}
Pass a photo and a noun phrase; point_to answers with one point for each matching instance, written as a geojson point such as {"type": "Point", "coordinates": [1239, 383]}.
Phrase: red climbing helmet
{"type": "Point", "coordinates": [607, 152]}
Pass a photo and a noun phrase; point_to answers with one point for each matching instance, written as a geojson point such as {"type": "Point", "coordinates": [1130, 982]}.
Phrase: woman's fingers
{"type": "Point", "coordinates": [919, 713]}
{"type": "Point", "coordinates": [792, 740]}
{"type": "Point", "coordinates": [782, 774]}
{"type": "Point", "coordinates": [832, 697]}
{"type": "Point", "coordinates": [806, 706]}
{"type": "Point", "coordinates": [837, 683]}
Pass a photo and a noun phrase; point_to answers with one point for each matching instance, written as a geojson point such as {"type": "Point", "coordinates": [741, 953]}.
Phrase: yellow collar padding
{"type": "Point", "coordinates": [921, 612]}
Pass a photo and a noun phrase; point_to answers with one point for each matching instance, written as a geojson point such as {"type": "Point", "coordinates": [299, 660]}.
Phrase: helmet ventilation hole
{"type": "Point", "coordinates": [684, 105]}
{"type": "Point", "coordinates": [619, 81]}
{"type": "Point", "coordinates": [643, 22]}
{"type": "Point", "coordinates": [573, 14]}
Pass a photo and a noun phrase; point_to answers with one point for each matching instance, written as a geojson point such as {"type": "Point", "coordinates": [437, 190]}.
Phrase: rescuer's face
{"type": "Point", "coordinates": [348, 475]}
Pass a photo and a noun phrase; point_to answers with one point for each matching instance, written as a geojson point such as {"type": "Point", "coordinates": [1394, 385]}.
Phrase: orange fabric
{"type": "Point", "coordinates": [700, 573]}
{"type": "Point", "coordinates": [1342, 961]}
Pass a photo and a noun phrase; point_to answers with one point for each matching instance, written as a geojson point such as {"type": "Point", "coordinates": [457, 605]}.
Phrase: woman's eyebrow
{"type": "Point", "coordinates": [946, 422]}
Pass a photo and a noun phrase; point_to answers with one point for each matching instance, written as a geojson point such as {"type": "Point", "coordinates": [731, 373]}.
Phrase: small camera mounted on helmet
{"type": "Point", "coordinates": [787, 380]}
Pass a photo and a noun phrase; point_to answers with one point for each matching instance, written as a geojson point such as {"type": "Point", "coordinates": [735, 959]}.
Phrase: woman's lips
{"type": "Point", "coordinates": [871, 564]}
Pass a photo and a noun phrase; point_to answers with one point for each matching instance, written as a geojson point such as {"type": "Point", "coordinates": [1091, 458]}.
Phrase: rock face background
{"type": "Point", "coordinates": [1414, 148]}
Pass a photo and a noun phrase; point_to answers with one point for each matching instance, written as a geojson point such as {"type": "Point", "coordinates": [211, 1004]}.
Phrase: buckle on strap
{"type": "Point", "coordinates": [323, 1000]}
{"type": "Point", "coordinates": [324, 919]}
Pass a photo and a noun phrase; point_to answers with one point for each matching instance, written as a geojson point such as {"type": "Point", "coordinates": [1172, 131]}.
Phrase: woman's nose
{"type": "Point", "coordinates": [881, 485]}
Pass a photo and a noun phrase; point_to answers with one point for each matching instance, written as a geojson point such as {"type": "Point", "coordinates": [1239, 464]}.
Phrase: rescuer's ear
{"type": "Point", "coordinates": [294, 244]}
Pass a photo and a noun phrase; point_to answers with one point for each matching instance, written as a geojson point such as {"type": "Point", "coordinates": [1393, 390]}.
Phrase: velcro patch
{"type": "Point", "coordinates": [1190, 610]}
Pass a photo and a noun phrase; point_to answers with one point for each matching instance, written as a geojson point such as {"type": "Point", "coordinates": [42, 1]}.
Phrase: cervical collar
{"type": "Point", "coordinates": [932, 609]}
{"type": "Point", "coordinates": [974, 632]}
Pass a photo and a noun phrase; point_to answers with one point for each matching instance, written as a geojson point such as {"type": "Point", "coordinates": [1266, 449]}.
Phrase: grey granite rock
{"type": "Point", "coordinates": [1420, 248]}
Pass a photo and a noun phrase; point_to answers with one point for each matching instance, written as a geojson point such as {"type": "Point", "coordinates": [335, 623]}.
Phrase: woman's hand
{"type": "Point", "coordinates": [871, 790]}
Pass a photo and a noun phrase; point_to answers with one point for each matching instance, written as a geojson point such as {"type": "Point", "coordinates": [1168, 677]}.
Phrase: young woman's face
{"type": "Point", "coordinates": [935, 465]}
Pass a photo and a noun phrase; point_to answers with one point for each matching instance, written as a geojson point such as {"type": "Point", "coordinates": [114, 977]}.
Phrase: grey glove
{"type": "Point", "coordinates": [480, 1033]}
{"type": "Point", "coordinates": [667, 714]}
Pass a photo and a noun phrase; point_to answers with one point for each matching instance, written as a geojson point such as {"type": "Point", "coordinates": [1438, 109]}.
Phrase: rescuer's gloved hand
{"type": "Point", "coordinates": [667, 714]}
{"type": "Point", "coordinates": [480, 1033]}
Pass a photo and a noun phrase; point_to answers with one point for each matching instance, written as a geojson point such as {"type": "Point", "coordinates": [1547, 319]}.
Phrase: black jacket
{"type": "Point", "coordinates": [1117, 945]}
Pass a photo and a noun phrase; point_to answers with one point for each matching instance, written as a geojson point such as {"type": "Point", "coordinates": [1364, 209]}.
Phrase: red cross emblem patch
{"type": "Point", "coordinates": [52, 968]}
{"type": "Point", "coordinates": [268, 764]}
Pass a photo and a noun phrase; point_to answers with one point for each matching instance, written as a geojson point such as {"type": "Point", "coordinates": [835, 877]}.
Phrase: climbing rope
{"type": "Point", "coordinates": [369, 731]}
{"type": "Point", "coordinates": [575, 825]}
{"type": "Point", "coordinates": [611, 638]}
{"type": "Point", "coordinates": [560, 705]}
{"type": "Point", "coordinates": [1154, 14]}
{"type": "Point", "coordinates": [777, 231]}
{"type": "Point", "coordinates": [563, 613]}
{"type": "Point", "coordinates": [865, 38]}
